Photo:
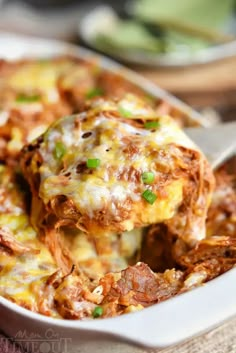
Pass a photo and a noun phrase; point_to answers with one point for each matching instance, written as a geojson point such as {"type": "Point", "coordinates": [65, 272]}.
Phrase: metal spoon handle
{"type": "Point", "coordinates": [218, 142]}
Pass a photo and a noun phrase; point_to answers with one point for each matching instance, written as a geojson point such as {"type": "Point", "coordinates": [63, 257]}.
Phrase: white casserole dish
{"type": "Point", "coordinates": [159, 326]}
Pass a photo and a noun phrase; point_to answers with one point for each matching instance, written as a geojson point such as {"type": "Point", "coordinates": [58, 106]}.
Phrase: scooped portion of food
{"type": "Point", "coordinates": [115, 167]}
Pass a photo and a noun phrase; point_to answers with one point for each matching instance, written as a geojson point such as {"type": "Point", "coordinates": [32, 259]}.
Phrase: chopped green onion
{"type": "Point", "coordinates": [93, 163]}
{"type": "Point", "coordinates": [149, 196]}
{"type": "Point", "coordinates": [148, 177]}
{"type": "Point", "coordinates": [97, 312]}
{"type": "Point", "coordinates": [94, 92]}
{"type": "Point", "coordinates": [59, 150]}
{"type": "Point", "coordinates": [151, 124]}
{"type": "Point", "coordinates": [43, 61]}
{"type": "Point", "coordinates": [125, 113]}
{"type": "Point", "coordinates": [150, 98]}
{"type": "Point", "coordinates": [22, 98]}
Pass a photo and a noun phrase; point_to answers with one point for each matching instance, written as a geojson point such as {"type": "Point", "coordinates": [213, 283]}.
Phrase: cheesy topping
{"type": "Point", "coordinates": [95, 161]}
{"type": "Point", "coordinates": [19, 273]}
{"type": "Point", "coordinates": [40, 76]}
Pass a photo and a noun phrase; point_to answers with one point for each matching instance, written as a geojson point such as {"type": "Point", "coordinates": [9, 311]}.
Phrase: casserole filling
{"type": "Point", "coordinates": [34, 93]}
{"type": "Point", "coordinates": [108, 211]}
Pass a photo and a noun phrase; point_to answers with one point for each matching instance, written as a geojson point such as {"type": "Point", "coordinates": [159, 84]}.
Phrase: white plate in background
{"type": "Point", "coordinates": [103, 16]}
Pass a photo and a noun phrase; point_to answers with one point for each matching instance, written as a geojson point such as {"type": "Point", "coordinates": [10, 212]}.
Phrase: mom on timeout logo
{"type": "Point", "coordinates": [50, 342]}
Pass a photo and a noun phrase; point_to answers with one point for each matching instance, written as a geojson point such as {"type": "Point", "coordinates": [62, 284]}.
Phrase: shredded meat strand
{"type": "Point", "coordinates": [8, 241]}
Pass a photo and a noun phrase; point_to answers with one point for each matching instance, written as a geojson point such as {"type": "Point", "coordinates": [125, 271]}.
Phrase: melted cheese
{"type": "Point", "coordinates": [18, 273]}
{"type": "Point", "coordinates": [110, 186]}
{"type": "Point", "coordinates": [39, 77]}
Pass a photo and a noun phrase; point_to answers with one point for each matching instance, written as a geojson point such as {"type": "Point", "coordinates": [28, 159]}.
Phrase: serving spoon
{"type": "Point", "coordinates": [217, 142]}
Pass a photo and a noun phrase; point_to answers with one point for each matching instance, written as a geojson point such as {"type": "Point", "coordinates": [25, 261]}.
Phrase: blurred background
{"type": "Point", "coordinates": [186, 46]}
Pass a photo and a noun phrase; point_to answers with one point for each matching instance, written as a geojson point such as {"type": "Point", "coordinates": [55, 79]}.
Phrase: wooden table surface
{"type": "Point", "coordinates": [203, 85]}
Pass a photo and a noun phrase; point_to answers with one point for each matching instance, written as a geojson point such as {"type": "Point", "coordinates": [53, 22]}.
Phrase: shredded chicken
{"type": "Point", "coordinates": [8, 242]}
{"type": "Point", "coordinates": [138, 286]}
{"type": "Point", "coordinates": [221, 218]}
